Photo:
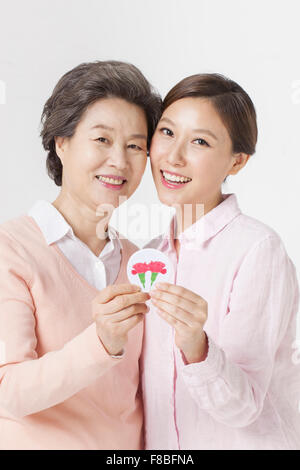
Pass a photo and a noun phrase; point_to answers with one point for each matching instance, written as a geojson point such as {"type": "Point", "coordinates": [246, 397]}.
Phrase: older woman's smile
{"type": "Point", "coordinates": [112, 181]}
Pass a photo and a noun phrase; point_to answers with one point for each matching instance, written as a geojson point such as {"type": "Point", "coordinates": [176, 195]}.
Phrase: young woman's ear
{"type": "Point", "coordinates": [240, 160]}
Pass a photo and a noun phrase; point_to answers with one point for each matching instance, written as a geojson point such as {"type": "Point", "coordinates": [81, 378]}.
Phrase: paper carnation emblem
{"type": "Point", "coordinates": [148, 266]}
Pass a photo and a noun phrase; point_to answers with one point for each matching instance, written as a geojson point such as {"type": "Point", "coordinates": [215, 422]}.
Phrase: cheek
{"type": "Point", "coordinates": [200, 165]}
{"type": "Point", "coordinates": [212, 165]}
{"type": "Point", "coordinates": [82, 160]}
{"type": "Point", "coordinates": [86, 155]}
{"type": "Point", "coordinates": [157, 150]}
{"type": "Point", "coordinates": [141, 164]}
{"type": "Point", "coordinates": [138, 167]}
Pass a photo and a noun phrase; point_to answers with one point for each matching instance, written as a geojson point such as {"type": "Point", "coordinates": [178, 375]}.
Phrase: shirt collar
{"type": "Point", "coordinates": [55, 227]}
{"type": "Point", "coordinates": [52, 224]}
{"type": "Point", "coordinates": [207, 226]}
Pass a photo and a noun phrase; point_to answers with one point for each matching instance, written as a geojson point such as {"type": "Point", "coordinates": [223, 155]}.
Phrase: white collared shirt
{"type": "Point", "coordinates": [99, 271]}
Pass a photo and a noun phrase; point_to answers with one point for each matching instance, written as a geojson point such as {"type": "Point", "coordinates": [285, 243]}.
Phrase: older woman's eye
{"type": "Point", "coordinates": [102, 139]}
{"type": "Point", "coordinates": [201, 142]}
{"type": "Point", "coordinates": [135, 147]}
{"type": "Point", "coordinates": [166, 131]}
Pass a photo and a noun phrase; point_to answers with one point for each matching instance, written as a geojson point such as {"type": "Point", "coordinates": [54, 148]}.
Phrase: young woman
{"type": "Point", "coordinates": [218, 369]}
{"type": "Point", "coordinates": [70, 323]}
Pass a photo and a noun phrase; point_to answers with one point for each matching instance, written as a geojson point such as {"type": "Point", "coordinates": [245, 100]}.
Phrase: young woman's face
{"type": "Point", "coordinates": [107, 155]}
{"type": "Point", "coordinates": [191, 153]}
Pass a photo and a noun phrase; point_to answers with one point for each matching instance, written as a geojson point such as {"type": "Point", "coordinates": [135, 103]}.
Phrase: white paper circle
{"type": "Point", "coordinates": [154, 265]}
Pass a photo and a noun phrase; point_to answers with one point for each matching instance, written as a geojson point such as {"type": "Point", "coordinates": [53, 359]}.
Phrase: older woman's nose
{"type": "Point", "coordinates": [118, 157]}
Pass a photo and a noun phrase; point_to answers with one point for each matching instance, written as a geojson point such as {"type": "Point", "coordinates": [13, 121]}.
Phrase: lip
{"type": "Point", "coordinates": [172, 173]}
{"type": "Point", "coordinates": [112, 186]}
{"type": "Point", "coordinates": [170, 185]}
{"type": "Point", "coordinates": [115, 177]}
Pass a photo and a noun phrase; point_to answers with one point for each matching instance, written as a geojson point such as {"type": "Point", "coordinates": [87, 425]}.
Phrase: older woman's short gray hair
{"type": "Point", "coordinates": [85, 84]}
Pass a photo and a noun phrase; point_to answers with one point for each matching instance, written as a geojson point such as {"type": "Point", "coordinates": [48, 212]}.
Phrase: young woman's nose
{"type": "Point", "coordinates": [175, 155]}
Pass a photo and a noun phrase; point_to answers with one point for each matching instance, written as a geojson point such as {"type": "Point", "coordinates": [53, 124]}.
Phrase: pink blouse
{"type": "Point", "coordinates": [245, 394]}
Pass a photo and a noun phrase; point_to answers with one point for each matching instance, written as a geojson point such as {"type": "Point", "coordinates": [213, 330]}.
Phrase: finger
{"type": "Point", "coordinates": [175, 312]}
{"type": "Point", "coordinates": [129, 312]}
{"type": "Point", "coordinates": [179, 290]}
{"type": "Point", "coordinates": [171, 320]}
{"type": "Point", "coordinates": [132, 321]}
{"type": "Point", "coordinates": [173, 299]}
{"type": "Point", "coordinates": [120, 302]}
{"type": "Point", "coordinates": [112, 291]}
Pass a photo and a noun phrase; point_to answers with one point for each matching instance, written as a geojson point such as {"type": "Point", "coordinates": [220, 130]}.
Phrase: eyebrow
{"type": "Point", "coordinates": [205, 131]}
{"type": "Point", "coordinates": [107, 128]}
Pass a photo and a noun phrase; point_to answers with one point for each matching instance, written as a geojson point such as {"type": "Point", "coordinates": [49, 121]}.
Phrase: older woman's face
{"type": "Point", "coordinates": [191, 153]}
{"type": "Point", "coordinates": [107, 155]}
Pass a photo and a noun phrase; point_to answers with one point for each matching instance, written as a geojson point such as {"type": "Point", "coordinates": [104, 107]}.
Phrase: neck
{"type": "Point", "coordinates": [188, 214]}
{"type": "Point", "coordinates": [87, 226]}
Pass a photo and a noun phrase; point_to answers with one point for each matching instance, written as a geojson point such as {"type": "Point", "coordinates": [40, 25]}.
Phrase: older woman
{"type": "Point", "coordinates": [70, 324]}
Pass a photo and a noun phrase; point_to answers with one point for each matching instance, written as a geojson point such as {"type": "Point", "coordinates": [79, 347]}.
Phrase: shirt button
{"type": "Point", "coordinates": [100, 265]}
{"type": "Point", "coordinates": [102, 272]}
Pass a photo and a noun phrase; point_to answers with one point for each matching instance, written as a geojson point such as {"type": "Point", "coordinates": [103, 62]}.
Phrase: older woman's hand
{"type": "Point", "coordinates": [116, 310]}
{"type": "Point", "coordinates": [187, 313]}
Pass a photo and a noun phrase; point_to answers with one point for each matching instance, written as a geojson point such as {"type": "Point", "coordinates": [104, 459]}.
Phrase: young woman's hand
{"type": "Point", "coordinates": [187, 313]}
{"type": "Point", "coordinates": [116, 310]}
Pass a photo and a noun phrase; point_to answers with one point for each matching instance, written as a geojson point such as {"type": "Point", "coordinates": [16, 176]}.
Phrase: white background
{"type": "Point", "coordinates": [256, 43]}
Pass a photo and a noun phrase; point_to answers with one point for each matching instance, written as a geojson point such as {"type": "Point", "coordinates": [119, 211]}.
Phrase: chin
{"type": "Point", "coordinates": [168, 199]}
{"type": "Point", "coordinates": [105, 199]}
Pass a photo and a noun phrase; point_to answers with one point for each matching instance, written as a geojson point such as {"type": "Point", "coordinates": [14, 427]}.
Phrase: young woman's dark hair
{"type": "Point", "coordinates": [231, 102]}
{"type": "Point", "coordinates": [82, 86]}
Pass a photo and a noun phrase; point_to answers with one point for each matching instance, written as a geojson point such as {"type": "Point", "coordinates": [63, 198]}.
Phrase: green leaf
{"type": "Point", "coordinates": [153, 277]}
{"type": "Point", "coordinates": [142, 278]}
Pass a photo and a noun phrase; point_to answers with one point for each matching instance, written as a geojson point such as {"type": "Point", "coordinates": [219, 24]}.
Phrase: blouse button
{"type": "Point", "coordinates": [100, 265]}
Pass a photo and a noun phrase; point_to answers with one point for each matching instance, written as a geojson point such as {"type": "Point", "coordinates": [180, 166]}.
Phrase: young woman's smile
{"type": "Point", "coordinates": [173, 180]}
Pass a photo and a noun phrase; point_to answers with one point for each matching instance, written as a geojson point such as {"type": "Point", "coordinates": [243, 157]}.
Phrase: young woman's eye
{"type": "Point", "coordinates": [201, 142]}
{"type": "Point", "coordinates": [166, 131]}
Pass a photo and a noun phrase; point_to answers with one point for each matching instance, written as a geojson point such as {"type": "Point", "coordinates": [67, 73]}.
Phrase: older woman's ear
{"type": "Point", "coordinates": [59, 147]}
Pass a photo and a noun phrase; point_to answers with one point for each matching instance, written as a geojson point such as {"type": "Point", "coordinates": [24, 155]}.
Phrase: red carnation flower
{"type": "Point", "coordinates": [156, 267]}
{"type": "Point", "coordinates": [140, 269]}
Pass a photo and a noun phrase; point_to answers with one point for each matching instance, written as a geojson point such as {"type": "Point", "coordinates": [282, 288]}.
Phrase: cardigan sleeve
{"type": "Point", "coordinates": [55, 376]}
{"type": "Point", "coordinates": [233, 380]}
